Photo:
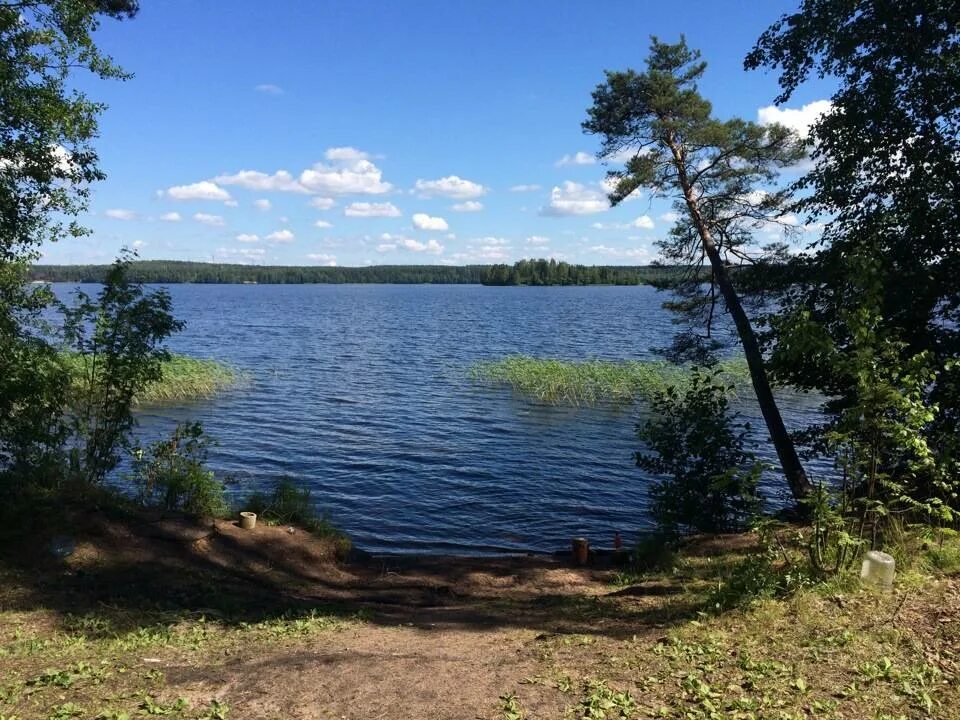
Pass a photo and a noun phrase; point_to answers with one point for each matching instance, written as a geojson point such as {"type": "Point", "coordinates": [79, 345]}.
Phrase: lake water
{"type": "Point", "coordinates": [361, 392]}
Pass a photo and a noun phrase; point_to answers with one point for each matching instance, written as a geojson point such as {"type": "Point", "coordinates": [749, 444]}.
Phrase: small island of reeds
{"type": "Point", "coordinates": [184, 378]}
{"type": "Point", "coordinates": [592, 382]}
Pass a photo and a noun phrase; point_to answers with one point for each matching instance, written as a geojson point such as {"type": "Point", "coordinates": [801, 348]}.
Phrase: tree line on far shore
{"type": "Point", "coordinates": [524, 272]}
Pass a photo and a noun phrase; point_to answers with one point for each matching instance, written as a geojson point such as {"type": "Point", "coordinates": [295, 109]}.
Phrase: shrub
{"type": "Point", "coordinates": [709, 483]}
{"type": "Point", "coordinates": [173, 474]}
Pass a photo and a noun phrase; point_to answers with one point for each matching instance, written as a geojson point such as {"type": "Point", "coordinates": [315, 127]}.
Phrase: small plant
{"type": "Point", "coordinates": [217, 711]}
{"type": "Point", "coordinates": [601, 702]}
{"type": "Point", "coordinates": [173, 475]}
{"type": "Point", "coordinates": [510, 708]}
{"type": "Point", "coordinates": [709, 482]}
{"type": "Point", "coordinates": [150, 706]}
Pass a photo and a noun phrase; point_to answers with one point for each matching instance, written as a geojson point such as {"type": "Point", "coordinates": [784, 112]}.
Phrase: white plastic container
{"type": "Point", "coordinates": [879, 568]}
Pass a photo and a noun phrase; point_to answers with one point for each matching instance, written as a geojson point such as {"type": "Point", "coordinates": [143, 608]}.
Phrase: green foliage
{"type": "Point", "coordinates": [47, 164]}
{"type": "Point", "coordinates": [182, 378]}
{"type": "Point", "coordinates": [120, 338]}
{"type": "Point", "coordinates": [709, 481]}
{"type": "Point", "coordinates": [176, 271]}
{"type": "Point", "coordinates": [551, 272]}
{"type": "Point", "coordinates": [590, 382]}
{"type": "Point", "coordinates": [601, 702]}
{"type": "Point", "coordinates": [720, 174]}
{"type": "Point", "coordinates": [510, 708]}
{"type": "Point", "coordinates": [172, 474]}
{"type": "Point", "coordinates": [870, 317]}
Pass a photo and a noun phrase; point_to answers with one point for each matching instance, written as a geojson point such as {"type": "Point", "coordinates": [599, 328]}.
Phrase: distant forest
{"type": "Point", "coordinates": [525, 272]}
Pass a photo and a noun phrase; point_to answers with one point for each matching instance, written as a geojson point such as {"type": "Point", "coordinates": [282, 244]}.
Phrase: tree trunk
{"type": "Point", "coordinates": [793, 470]}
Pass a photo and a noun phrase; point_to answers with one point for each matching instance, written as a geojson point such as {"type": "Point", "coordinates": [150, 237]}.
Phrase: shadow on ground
{"type": "Point", "coordinates": [133, 569]}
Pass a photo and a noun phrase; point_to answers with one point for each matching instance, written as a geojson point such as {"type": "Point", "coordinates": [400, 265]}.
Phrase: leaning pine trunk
{"type": "Point", "coordinates": [793, 470]}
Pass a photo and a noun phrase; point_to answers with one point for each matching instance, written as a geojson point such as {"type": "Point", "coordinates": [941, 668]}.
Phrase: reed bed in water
{"type": "Point", "coordinates": [592, 382]}
{"type": "Point", "coordinates": [184, 378]}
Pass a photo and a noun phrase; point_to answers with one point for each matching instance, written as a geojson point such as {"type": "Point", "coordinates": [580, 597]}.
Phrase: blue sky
{"type": "Point", "coordinates": [389, 133]}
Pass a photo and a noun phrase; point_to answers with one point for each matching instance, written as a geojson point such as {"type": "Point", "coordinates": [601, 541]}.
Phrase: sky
{"type": "Point", "coordinates": [363, 132]}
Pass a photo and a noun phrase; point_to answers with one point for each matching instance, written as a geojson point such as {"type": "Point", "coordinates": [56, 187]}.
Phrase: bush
{"type": "Point", "coordinates": [173, 474]}
{"type": "Point", "coordinates": [709, 482]}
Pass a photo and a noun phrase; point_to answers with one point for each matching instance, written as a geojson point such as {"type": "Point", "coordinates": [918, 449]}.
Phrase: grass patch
{"type": "Point", "coordinates": [592, 382]}
{"type": "Point", "coordinates": [184, 378]}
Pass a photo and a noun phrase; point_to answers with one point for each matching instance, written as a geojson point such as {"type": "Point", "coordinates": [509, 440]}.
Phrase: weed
{"type": "Point", "coordinates": [510, 708]}
{"type": "Point", "coordinates": [601, 702]}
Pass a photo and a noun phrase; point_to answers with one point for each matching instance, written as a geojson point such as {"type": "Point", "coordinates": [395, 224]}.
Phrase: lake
{"type": "Point", "coordinates": [361, 392]}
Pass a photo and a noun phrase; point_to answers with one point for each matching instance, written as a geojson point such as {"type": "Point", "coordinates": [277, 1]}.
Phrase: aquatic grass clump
{"type": "Point", "coordinates": [591, 382]}
{"type": "Point", "coordinates": [183, 378]}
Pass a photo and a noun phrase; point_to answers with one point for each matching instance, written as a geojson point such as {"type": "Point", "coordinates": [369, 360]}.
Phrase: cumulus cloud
{"type": "Point", "coordinates": [579, 158]}
{"type": "Point", "coordinates": [538, 240]}
{"type": "Point", "coordinates": [322, 203]}
{"type": "Point", "coordinates": [639, 254]}
{"type": "Point", "coordinates": [670, 217]}
{"type": "Point", "coordinates": [609, 184]}
{"type": "Point", "coordinates": [269, 89]}
{"type": "Point", "coordinates": [797, 119]}
{"type": "Point", "coordinates": [393, 242]}
{"type": "Point", "coordinates": [366, 209]}
{"type": "Point", "coordinates": [245, 255]}
{"type": "Point", "coordinates": [451, 186]}
{"type": "Point", "coordinates": [280, 181]}
{"type": "Point", "coordinates": [322, 224]}
{"type": "Point", "coordinates": [262, 204]}
{"type": "Point", "coordinates": [575, 199]}
{"type": "Point", "coordinates": [203, 190]}
{"type": "Point", "coordinates": [247, 238]}
{"type": "Point", "coordinates": [524, 188]}
{"type": "Point", "coordinates": [207, 219]}
{"type": "Point", "coordinates": [323, 259]}
{"type": "Point", "coordinates": [644, 222]}
{"type": "Point", "coordinates": [468, 206]}
{"type": "Point", "coordinates": [171, 217]}
{"type": "Point", "coordinates": [120, 214]}
{"type": "Point", "coordinates": [422, 221]}
{"type": "Point", "coordinates": [348, 154]}
{"type": "Point", "coordinates": [281, 236]}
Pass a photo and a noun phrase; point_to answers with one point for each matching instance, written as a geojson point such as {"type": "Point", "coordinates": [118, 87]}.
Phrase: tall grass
{"type": "Point", "coordinates": [591, 382]}
{"type": "Point", "coordinates": [184, 378]}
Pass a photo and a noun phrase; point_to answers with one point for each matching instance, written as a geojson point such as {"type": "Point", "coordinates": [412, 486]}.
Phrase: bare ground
{"type": "Point", "coordinates": [153, 615]}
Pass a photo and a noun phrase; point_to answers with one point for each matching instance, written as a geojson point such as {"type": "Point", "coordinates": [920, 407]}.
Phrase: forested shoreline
{"type": "Point", "coordinates": [525, 272]}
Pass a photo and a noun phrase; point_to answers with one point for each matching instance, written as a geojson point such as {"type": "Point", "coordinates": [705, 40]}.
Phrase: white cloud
{"type": "Point", "coordinates": [468, 206]}
{"type": "Point", "coordinates": [798, 120]}
{"type": "Point", "coordinates": [120, 214]}
{"type": "Point", "coordinates": [280, 181]}
{"type": "Point", "coordinates": [670, 217]}
{"type": "Point", "coordinates": [365, 209]}
{"type": "Point", "coordinates": [579, 158]}
{"type": "Point", "coordinates": [609, 185]}
{"type": "Point", "coordinates": [207, 219]}
{"type": "Point", "coordinates": [392, 242]}
{"type": "Point", "coordinates": [323, 259]}
{"type": "Point", "coordinates": [451, 186]}
{"type": "Point", "coordinates": [231, 203]}
{"type": "Point", "coordinates": [269, 89]}
{"type": "Point", "coordinates": [247, 238]}
{"type": "Point", "coordinates": [346, 176]}
{"type": "Point", "coordinates": [641, 255]}
{"type": "Point", "coordinates": [524, 188]}
{"type": "Point", "coordinates": [538, 240]}
{"type": "Point", "coordinates": [171, 217]}
{"type": "Point", "coordinates": [203, 190]}
{"type": "Point", "coordinates": [137, 244]}
{"type": "Point", "coordinates": [644, 222]}
{"type": "Point", "coordinates": [281, 236]}
{"type": "Point", "coordinates": [262, 204]}
{"type": "Point", "coordinates": [574, 199]}
{"type": "Point", "coordinates": [246, 255]}
{"type": "Point", "coordinates": [422, 221]}
{"type": "Point", "coordinates": [348, 154]}
{"type": "Point", "coordinates": [322, 224]}
{"type": "Point", "coordinates": [322, 203]}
